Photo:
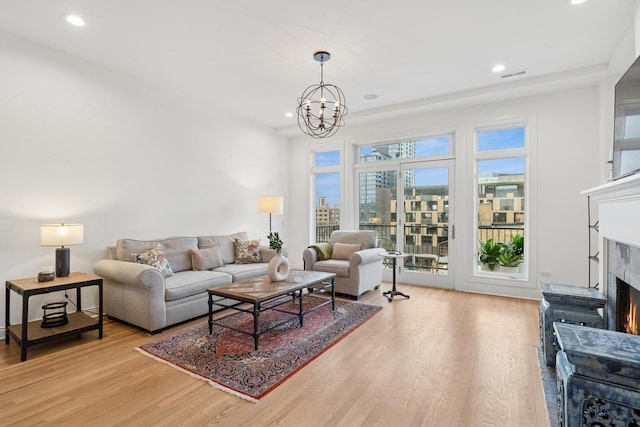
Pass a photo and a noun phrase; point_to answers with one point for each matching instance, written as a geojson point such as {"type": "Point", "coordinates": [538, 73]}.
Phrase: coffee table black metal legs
{"type": "Point", "coordinates": [393, 292]}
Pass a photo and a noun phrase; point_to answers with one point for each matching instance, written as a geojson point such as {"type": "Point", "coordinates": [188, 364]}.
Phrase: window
{"type": "Point", "coordinates": [433, 146]}
{"type": "Point", "coordinates": [327, 184]}
{"type": "Point", "coordinates": [416, 168]}
{"type": "Point", "coordinates": [506, 204]}
{"type": "Point", "coordinates": [501, 165]}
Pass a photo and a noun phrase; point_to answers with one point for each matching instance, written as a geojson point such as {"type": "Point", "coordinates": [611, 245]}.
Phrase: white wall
{"type": "Point", "coordinates": [569, 154]}
{"type": "Point", "coordinates": [82, 145]}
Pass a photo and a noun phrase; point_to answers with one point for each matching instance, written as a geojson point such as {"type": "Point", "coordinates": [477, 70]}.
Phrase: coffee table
{"type": "Point", "coordinates": [262, 293]}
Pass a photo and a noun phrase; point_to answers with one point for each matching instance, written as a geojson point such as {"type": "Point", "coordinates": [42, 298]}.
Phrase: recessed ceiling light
{"type": "Point", "coordinates": [74, 20]}
{"type": "Point", "coordinates": [371, 96]}
{"type": "Point", "coordinates": [288, 114]}
{"type": "Point", "coordinates": [498, 67]}
{"type": "Point", "coordinates": [574, 2]}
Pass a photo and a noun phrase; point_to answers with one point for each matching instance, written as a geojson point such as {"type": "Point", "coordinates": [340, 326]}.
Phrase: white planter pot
{"type": "Point", "coordinates": [278, 268]}
{"type": "Point", "coordinates": [509, 270]}
{"type": "Point", "coordinates": [485, 267]}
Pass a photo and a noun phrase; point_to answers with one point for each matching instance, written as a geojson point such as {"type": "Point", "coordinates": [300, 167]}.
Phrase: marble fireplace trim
{"type": "Point", "coordinates": [618, 208]}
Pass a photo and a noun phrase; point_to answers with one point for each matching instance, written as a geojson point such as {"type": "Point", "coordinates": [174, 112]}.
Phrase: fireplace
{"type": "Point", "coordinates": [623, 288]}
{"type": "Point", "coordinates": [628, 301]}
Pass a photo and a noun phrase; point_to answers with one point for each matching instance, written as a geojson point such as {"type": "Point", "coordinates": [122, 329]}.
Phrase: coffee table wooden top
{"type": "Point", "coordinates": [262, 289]}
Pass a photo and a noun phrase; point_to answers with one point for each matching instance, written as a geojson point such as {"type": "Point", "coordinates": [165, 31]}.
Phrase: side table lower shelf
{"type": "Point", "coordinates": [78, 323]}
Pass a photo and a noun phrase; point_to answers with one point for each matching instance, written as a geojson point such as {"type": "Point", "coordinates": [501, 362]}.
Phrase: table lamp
{"type": "Point", "coordinates": [270, 205]}
{"type": "Point", "coordinates": [61, 235]}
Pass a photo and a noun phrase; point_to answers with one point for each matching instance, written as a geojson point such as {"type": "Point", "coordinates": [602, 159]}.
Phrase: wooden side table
{"type": "Point", "coordinates": [28, 334]}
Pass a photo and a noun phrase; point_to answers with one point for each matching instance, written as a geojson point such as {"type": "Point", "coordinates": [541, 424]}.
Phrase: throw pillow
{"type": "Point", "coordinates": [323, 250]}
{"type": "Point", "coordinates": [155, 258]}
{"type": "Point", "coordinates": [206, 259]}
{"type": "Point", "coordinates": [248, 251]}
{"type": "Point", "coordinates": [344, 250]}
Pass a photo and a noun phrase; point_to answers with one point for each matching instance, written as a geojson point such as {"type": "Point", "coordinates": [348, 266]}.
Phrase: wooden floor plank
{"type": "Point", "coordinates": [440, 358]}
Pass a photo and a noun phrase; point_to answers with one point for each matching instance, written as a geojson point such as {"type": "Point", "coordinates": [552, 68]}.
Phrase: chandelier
{"type": "Point", "coordinates": [321, 108]}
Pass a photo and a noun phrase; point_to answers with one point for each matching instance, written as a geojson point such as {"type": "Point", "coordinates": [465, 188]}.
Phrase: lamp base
{"type": "Point", "coordinates": [62, 262]}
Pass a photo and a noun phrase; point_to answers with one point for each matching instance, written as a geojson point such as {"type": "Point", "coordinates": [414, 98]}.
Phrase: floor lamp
{"type": "Point", "coordinates": [270, 205]}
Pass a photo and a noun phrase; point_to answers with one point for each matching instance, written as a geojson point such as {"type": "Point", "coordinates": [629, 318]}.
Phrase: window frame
{"type": "Point", "coordinates": [315, 170]}
{"type": "Point", "coordinates": [527, 152]}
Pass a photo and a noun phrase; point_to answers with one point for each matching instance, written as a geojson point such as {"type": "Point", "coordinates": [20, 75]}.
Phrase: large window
{"type": "Point", "coordinates": [415, 223]}
{"type": "Point", "coordinates": [326, 176]}
{"type": "Point", "coordinates": [501, 165]}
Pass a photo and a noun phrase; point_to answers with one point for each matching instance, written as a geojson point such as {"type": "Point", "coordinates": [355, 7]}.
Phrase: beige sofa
{"type": "Point", "coordinates": [354, 256]}
{"type": "Point", "coordinates": [141, 295]}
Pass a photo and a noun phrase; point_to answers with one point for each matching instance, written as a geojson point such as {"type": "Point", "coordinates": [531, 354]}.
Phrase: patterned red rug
{"type": "Point", "coordinates": [227, 359]}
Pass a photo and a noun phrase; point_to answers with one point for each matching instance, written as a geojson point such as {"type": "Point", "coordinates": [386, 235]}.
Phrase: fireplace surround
{"type": "Point", "coordinates": [623, 287]}
{"type": "Point", "coordinates": [618, 207]}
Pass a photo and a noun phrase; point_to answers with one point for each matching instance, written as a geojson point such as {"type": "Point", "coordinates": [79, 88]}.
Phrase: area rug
{"type": "Point", "coordinates": [227, 359]}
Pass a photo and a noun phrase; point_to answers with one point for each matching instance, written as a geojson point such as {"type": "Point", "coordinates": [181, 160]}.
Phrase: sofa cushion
{"type": "Point", "coordinates": [206, 258]}
{"type": "Point", "coordinates": [156, 258]}
{"type": "Point", "coordinates": [187, 283]}
{"type": "Point", "coordinates": [241, 272]}
{"type": "Point", "coordinates": [175, 248]}
{"type": "Point", "coordinates": [226, 243]}
{"type": "Point", "coordinates": [343, 251]}
{"type": "Point", "coordinates": [339, 267]}
{"type": "Point", "coordinates": [248, 251]}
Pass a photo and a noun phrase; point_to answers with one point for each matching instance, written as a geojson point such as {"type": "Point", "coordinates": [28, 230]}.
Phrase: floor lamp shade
{"type": "Point", "coordinates": [270, 205]}
{"type": "Point", "coordinates": [61, 235]}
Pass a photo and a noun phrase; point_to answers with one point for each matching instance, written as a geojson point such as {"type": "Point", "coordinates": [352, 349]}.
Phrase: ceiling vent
{"type": "Point", "coordinates": [520, 73]}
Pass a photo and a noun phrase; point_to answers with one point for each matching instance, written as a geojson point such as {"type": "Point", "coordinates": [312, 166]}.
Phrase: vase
{"type": "Point", "coordinates": [278, 268]}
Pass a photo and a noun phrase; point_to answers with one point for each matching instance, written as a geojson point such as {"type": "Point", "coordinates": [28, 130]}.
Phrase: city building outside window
{"type": "Point", "coordinates": [500, 179]}
{"type": "Point", "coordinates": [327, 185]}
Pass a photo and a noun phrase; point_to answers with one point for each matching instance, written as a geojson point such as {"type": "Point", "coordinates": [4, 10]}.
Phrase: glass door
{"type": "Point", "coordinates": [427, 204]}
{"type": "Point", "coordinates": [377, 202]}
{"type": "Point", "coordinates": [419, 225]}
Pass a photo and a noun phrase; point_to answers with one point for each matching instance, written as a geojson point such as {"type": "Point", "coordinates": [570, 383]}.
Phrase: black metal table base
{"type": "Point", "coordinates": [393, 292]}
{"type": "Point", "coordinates": [272, 304]}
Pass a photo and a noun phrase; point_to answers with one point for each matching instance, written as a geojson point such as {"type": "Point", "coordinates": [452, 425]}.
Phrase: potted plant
{"type": "Point", "coordinates": [489, 254]}
{"type": "Point", "coordinates": [275, 242]}
{"type": "Point", "coordinates": [512, 254]}
{"type": "Point", "coordinates": [278, 269]}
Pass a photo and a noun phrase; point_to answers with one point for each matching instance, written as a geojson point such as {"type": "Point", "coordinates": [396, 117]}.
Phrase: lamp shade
{"type": "Point", "coordinates": [270, 204]}
{"type": "Point", "coordinates": [61, 234]}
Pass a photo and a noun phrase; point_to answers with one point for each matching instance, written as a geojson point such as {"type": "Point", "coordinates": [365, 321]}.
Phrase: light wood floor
{"type": "Point", "coordinates": [440, 358]}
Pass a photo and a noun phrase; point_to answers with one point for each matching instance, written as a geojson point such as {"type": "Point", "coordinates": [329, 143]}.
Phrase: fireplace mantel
{"type": "Point", "coordinates": [618, 209]}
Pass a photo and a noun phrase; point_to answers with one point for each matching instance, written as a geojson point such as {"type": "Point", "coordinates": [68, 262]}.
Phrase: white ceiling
{"type": "Point", "coordinates": [255, 57]}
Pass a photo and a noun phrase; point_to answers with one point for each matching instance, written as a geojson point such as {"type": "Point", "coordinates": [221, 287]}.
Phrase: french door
{"type": "Point", "coordinates": [410, 205]}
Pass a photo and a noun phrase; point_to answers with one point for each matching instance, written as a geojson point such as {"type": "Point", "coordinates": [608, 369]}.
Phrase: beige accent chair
{"type": "Point", "coordinates": [355, 259]}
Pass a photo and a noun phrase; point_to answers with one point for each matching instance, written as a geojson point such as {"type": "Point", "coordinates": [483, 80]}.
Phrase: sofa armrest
{"type": "Point", "coordinates": [366, 256]}
{"type": "Point", "coordinates": [267, 254]}
{"type": "Point", "coordinates": [129, 273]}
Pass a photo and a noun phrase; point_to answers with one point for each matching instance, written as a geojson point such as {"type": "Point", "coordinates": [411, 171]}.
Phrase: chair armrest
{"type": "Point", "coordinates": [366, 256]}
{"type": "Point", "coordinates": [129, 273]}
{"type": "Point", "coordinates": [309, 257]}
